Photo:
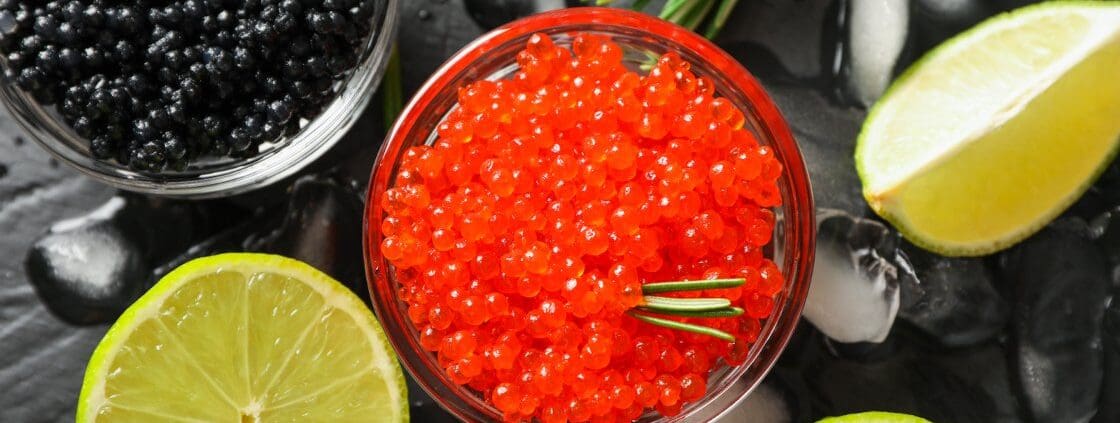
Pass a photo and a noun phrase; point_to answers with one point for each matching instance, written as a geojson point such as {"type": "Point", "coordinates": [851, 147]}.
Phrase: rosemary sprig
{"type": "Point", "coordinates": [687, 327]}
{"type": "Point", "coordinates": [674, 10]}
{"type": "Point", "coordinates": [723, 312]}
{"type": "Point", "coordinates": [695, 12]}
{"type": "Point", "coordinates": [670, 305]}
{"type": "Point", "coordinates": [391, 90]}
{"type": "Point", "coordinates": [677, 286]}
{"type": "Point", "coordinates": [688, 13]}
{"type": "Point", "coordinates": [653, 305]}
{"type": "Point", "coordinates": [639, 4]}
{"type": "Point", "coordinates": [720, 18]}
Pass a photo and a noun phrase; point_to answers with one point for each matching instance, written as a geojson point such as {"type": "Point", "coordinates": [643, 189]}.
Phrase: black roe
{"type": "Point", "coordinates": [154, 84]}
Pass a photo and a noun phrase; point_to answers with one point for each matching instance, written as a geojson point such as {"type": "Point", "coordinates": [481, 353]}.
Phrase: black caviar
{"type": "Point", "coordinates": [154, 84]}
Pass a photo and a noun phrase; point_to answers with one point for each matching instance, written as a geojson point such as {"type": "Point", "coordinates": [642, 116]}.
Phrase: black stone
{"type": "Point", "coordinates": [1060, 285]}
{"type": "Point", "coordinates": [89, 274]}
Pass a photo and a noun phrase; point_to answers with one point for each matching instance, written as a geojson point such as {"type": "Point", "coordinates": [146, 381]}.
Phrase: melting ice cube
{"type": "Point", "coordinates": [854, 296]}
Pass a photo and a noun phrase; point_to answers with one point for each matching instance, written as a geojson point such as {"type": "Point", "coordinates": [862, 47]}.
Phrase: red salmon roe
{"type": "Point", "coordinates": [525, 232]}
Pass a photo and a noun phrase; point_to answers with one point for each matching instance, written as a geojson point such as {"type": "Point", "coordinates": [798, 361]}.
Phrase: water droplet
{"type": "Point", "coordinates": [18, 140]}
{"type": "Point", "coordinates": [424, 14]}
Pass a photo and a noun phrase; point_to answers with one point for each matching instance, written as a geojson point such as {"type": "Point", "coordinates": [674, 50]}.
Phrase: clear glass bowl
{"type": "Point", "coordinates": [209, 177]}
{"type": "Point", "coordinates": [493, 57]}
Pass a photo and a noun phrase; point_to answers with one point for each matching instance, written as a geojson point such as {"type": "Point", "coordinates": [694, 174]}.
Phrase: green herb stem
{"type": "Point", "coordinates": [687, 13]}
{"type": "Point", "coordinates": [674, 10]}
{"type": "Point", "coordinates": [677, 286]}
{"type": "Point", "coordinates": [687, 327]}
{"type": "Point", "coordinates": [698, 13]}
{"type": "Point", "coordinates": [720, 18]}
{"type": "Point", "coordinates": [391, 90]}
{"type": "Point", "coordinates": [639, 5]}
{"type": "Point", "coordinates": [723, 312]}
{"type": "Point", "coordinates": [667, 304]}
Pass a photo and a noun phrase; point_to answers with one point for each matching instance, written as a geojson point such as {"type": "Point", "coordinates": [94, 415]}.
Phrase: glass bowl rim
{"type": "Point", "coordinates": [798, 253]}
{"type": "Point", "coordinates": [296, 152]}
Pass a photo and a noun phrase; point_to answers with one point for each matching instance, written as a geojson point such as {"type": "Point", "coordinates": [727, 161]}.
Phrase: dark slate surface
{"type": "Point", "coordinates": [789, 44]}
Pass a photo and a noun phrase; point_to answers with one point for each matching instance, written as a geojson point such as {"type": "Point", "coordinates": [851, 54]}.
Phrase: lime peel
{"type": "Point", "coordinates": [875, 417]}
{"type": "Point", "coordinates": [936, 156]}
{"type": "Point", "coordinates": [381, 384]}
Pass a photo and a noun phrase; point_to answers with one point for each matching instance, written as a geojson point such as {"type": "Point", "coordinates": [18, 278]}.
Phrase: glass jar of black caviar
{"type": "Point", "coordinates": [191, 98]}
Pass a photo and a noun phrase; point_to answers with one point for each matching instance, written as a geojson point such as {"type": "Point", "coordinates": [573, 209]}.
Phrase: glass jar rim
{"type": "Point", "coordinates": [799, 254]}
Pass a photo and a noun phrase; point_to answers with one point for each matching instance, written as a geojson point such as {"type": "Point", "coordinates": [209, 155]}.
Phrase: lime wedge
{"type": "Point", "coordinates": [994, 133]}
{"type": "Point", "coordinates": [875, 417]}
{"type": "Point", "coordinates": [244, 338]}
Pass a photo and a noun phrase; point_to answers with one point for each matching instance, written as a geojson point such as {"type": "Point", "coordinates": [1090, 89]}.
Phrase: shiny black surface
{"type": "Point", "coordinates": [967, 347]}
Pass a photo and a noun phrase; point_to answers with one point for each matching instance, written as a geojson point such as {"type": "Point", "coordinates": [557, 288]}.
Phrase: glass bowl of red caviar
{"type": "Point", "coordinates": [642, 40]}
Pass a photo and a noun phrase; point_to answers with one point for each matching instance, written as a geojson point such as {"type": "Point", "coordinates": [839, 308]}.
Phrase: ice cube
{"type": "Point", "coordinates": [877, 34]}
{"type": "Point", "coordinates": [903, 374]}
{"type": "Point", "coordinates": [1060, 287]}
{"type": "Point", "coordinates": [854, 295]}
{"type": "Point", "coordinates": [907, 382]}
{"type": "Point", "coordinates": [1106, 229]}
{"type": "Point", "coordinates": [1109, 410]}
{"type": "Point", "coordinates": [984, 366]}
{"type": "Point", "coordinates": [952, 299]}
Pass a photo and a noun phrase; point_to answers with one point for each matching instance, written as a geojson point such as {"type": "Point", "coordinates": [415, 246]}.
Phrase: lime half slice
{"type": "Point", "coordinates": [244, 338]}
{"type": "Point", "coordinates": [875, 417]}
{"type": "Point", "coordinates": [995, 132]}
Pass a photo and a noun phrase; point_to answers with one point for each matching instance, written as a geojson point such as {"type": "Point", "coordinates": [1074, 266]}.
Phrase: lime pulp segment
{"type": "Point", "coordinates": [244, 338]}
{"type": "Point", "coordinates": [998, 130]}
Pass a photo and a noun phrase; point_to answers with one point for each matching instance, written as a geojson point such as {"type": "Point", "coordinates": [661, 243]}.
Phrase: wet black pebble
{"type": "Point", "coordinates": [1060, 283]}
{"type": "Point", "coordinates": [164, 68]}
{"type": "Point", "coordinates": [320, 210]}
{"type": "Point", "coordinates": [88, 269]}
{"type": "Point", "coordinates": [87, 274]}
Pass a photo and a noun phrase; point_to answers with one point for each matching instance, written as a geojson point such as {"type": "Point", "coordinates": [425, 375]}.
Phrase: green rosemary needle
{"type": "Point", "coordinates": [687, 327]}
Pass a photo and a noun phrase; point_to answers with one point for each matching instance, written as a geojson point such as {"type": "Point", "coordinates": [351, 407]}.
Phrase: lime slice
{"type": "Point", "coordinates": [875, 417]}
{"type": "Point", "coordinates": [244, 338]}
{"type": "Point", "coordinates": [995, 132]}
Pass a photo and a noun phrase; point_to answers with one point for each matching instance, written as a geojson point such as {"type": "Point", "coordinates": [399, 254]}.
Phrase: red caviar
{"type": "Point", "coordinates": [525, 232]}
